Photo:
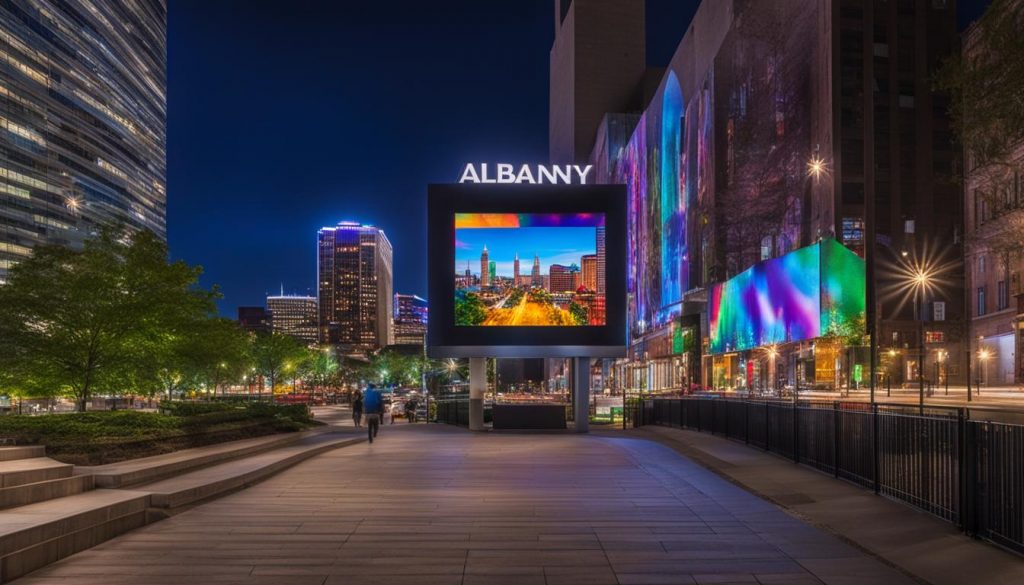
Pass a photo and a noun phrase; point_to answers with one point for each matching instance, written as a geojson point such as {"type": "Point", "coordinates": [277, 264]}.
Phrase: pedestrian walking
{"type": "Point", "coordinates": [373, 407]}
{"type": "Point", "coordinates": [357, 410]}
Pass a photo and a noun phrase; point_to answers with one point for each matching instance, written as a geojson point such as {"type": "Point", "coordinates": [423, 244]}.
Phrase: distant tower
{"type": "Point", "coordinates": [485, 268]}
{"type": "Point", "coordinates": [468, 272]}
{"type": "Point", "coordinates": [515, 271]}
{"type": "Point", "coordinates": [535, 278]}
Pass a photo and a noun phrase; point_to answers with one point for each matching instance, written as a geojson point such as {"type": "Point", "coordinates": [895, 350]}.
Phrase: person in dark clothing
{"type": "Point", "coordinates": [357, 410]}
{"type": "Point", "coordinates": [373, 405]}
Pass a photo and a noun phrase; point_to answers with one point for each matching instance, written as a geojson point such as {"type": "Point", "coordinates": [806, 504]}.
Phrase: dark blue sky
{"type": "Point", "coordinates": [287, 116]}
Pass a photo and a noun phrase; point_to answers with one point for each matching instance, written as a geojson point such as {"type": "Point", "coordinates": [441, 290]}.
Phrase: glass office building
{"type": "Point", "coordinates": [83, 110]}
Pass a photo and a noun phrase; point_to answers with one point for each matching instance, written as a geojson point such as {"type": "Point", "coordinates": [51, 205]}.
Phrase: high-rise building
{"type": "Point", "coordinates": [515, 271]}
{"type": "Point", "coordinates": [600, 260]}
{"type": "Point", "coordinates": [410, 319]}
{"type": "Point", "coordinates": [485, 268]}
{"type": "Point", "coordinates": [83, 114]}
{"type": "Point", "coordinates": [588, 268]}
{"type": "Point", "coordinates": [597, 64]}
{"type": "Point", "coordinates": [354, 268]}
{"type": "Point", "coordinates": [492, 272]}
{"type": "Point", "coordinates": [775, 125]}
{"type": "Point", "coordinates": [535, 277]}
{"type": "Point", "coordinates": [562, 278]}
{"type": "Point", "coordinates": [254, 319]}
{"type": "Point", "coordinates": [294, 315]}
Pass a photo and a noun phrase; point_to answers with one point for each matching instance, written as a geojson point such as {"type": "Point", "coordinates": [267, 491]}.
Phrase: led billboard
{"type": "Point", "coordinates": [810, 292]}
{"type": "Point", "coordinates": [555, 282]}
{"type": "Point", "coordinates": [526, 270]}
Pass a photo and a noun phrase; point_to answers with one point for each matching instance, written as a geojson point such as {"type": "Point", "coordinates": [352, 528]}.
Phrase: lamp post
{"type": "Point", "coordinates": [983, 355]}
{"type": "Point", "coordinates": [920, 282]}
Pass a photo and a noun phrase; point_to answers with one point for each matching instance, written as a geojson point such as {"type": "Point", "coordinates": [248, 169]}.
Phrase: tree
{"type": "Point", "coordinates": [96, 320]}
{"type": "Point", "coordinates": [275, 354]}
{"type": "Point", "coordinates": [319, 369]}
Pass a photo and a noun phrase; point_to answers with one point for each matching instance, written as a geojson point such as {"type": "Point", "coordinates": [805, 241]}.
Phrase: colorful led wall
{"type": "Point", "coordinates": [802, 295]}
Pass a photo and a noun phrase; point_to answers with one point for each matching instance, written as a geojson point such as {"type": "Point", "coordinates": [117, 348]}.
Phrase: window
{"type": "Point", "coordinates": [1002, 298]}
{"type": "Point", "coordinates": [981, 264]}
{"type": "Point", "coordinates": [981, 300]}
{"type": "Point", "coordinates": [934, 336]}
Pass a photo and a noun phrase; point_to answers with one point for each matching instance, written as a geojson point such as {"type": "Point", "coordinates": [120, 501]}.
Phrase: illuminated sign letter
{"type": "Point", "coordinates": [469, 175]}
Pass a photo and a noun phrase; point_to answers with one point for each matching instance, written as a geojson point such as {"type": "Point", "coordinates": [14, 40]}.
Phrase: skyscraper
{"type": "Point", "coordinates": [485, 268]}
{"type": "Point", "coordinates": [588, 266]}
{"type": "Point", "coordinates": [535, 277]}
{"type": "Point", "coordinates": [515, 271]}
{"type": "Point", "coordinates": [600, 260]}
{"type": "Point", "coordinates": [492, 272]}
{"type": "Point", "coordinates": [355, 286]}
{"type": "Point", "coordinates": [410, 319]}
{"type": "Point", "coordinates": [83, 111]}
{"type": "Point", "coordinates": [295, 316]}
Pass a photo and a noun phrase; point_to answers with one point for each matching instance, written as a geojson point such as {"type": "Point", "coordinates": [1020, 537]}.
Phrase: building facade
{"type": "Point", "coordinates": [83, 114]}
{"type": "Point", "coordinates": [410, 319]}
{"type": "Point", "coordinates": [294, 315]}
{"type": "Point", "coordinates": [254, 319]}
{"type": "Point", "coordinates": [355, 295]}
{"type": "Point", "coordinates": [776, 126]}
{"type": "Point", "coordinates": [994, 227]}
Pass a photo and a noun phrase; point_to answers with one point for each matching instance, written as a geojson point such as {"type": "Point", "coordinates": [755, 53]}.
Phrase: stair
{"type": "Point", "coordinates": [32, 470]}
{"type": "Point", "coordinates": [38, 534]}
{"type": "Point", "coordinates": [12, 453]}
{"type": "Point", "coordinates": [51, 509]}
{"type": "Point", "coordinates": [157, 467]}
{"type": "Point", "coordinates": [204, 484]}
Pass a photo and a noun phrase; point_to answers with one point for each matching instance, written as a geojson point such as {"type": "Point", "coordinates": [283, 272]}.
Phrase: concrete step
{"type": "Point", "coordinates": [39, 534]}
{"type": "Point", "coordinates": [157, 467]}
{"type": "Point", "coordinates": [25, 452]}
{"type": "Point", "coordinates": [30, 493]}
{"type": "Point", "coordinates": [218, 480]}
{"type": "Point", "coordinates": [34, 470]}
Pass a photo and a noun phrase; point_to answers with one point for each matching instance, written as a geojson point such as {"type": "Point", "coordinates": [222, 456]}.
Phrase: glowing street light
{"type": "Point", "coordinates": [816, 167]}
{"type": "Point", "coordinates": [73, 203]}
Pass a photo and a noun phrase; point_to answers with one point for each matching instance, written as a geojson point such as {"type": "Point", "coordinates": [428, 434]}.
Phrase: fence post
{"type": "Point", "coordinates": [746, 422]}
{"type": "Point", "coordinates": [835, 437]}
{"type": "Point", "coordinates": [875, 454]}
{"type": "Point", "coordinates": [796, 433]}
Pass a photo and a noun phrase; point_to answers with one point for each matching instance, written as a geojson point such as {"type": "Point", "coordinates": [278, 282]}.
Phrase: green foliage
{"type": "Point", "coordinates": [394, 369]}
{"type": "Point", "coordinates": [100, 320]}
{"type": "Point", "coordinates": [469, 309]}
{"type": "Point", "coordinates": [275, 355]}
{"type": "Point", "coordinates": [105, 436]}
{"type": "Point", "coordinates": [578, 313]}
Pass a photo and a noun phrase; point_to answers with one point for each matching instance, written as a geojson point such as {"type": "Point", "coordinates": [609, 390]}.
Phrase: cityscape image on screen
{"type": "Point", "coordinates": [529, 269]}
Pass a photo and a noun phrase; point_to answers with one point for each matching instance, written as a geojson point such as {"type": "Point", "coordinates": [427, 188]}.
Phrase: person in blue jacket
{"type": "Point", "coordinates": [373, 408]}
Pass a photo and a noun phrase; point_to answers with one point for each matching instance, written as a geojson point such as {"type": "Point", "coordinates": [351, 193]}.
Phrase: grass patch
{"type": "Point", "coordinates": [95, 438]}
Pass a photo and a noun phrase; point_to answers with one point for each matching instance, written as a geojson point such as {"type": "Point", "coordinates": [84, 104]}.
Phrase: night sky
{"type": "Point", "coordinates": [286, 117]}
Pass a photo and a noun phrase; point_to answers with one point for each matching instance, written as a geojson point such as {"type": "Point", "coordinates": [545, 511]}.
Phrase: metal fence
{"type": "Point", "coordinates": [965, 471]}
{"type": "Point", "coordinates": [453, 412]}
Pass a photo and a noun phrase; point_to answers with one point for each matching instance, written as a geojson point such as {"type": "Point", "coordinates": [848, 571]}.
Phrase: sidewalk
{"type": "Point", "coordinates": [919, 544]}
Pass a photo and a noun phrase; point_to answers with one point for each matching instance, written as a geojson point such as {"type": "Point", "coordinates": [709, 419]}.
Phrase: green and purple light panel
{"type": "Point", "coordinates": [802, 295]}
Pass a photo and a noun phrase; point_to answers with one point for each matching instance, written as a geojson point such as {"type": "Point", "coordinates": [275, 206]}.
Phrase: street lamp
{"type": "Point", "coordinates": [920, 279]}
{"type": "Point", "coordinates": [983, 355]}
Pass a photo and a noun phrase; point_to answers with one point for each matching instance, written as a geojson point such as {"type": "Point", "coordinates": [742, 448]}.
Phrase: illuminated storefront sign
{"type": "Point", "coordinates": [809, 293]}
{"type": "Point", "coordinates": [526, 174]}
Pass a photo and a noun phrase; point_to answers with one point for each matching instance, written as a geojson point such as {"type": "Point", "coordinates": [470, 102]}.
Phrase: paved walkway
{"type": "Point", "coordinates": [437, 506]}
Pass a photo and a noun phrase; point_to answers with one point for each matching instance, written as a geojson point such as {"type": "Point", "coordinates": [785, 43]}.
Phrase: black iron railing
{"type": "Point", "coordinates": [453, 412]}
{"type": "Point", "coordinates": [965, 471]}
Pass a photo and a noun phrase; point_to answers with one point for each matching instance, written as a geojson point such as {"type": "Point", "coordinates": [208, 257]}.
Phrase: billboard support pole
{"type": "Point", "coordinates": [477, 385]}
{"type": "Point", "coordinates": [581, 393]}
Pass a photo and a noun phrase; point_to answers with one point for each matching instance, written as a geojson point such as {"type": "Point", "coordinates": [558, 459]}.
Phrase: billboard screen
{"type": "Point", "coordinates": [808, 293]}
{"type": "Point", "coordinates": [528, 269]}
